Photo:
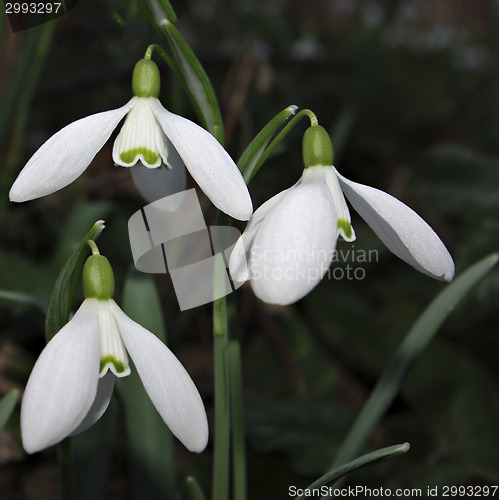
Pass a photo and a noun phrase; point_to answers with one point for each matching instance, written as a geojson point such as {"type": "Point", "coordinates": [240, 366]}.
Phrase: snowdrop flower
{"type": "Point", "coordinates": [290, 240]}
{"type": "Point", "coordinates": [72, 381]}
{"type": "Point", "coordinates": [144, 138]}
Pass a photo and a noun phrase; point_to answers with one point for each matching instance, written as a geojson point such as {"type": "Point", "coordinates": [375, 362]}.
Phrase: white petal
{"type": "Point", "coordinates": [208, 163]}
{"type": "Point", "coordinates": [66, 155]}
{"type": "Point", "coordinates": [294, 245]}
{"type": "Point", "coordinates": [101, 402]}
{"type": "Point", "coordinates": [401, 229]}
{"type": "Point", "coordinates": [237, 263]}
{"type": "Point", "coordinates": [141, 138]}
{"type": "Point", "coordinates": [63, 383]}
{"type": "Point", "coordinates": [167, 383]}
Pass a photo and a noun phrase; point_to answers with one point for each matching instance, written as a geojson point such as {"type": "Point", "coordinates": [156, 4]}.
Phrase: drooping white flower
{"type": "Point", "coordinates": [73, 379]}
{"type": "Point", "coordinates": [143, 138]}
{"type": "Point", "coordinates": [290, 240]}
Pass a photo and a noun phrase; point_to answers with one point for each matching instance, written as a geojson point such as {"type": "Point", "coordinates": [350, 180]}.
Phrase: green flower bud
{"type": "Point", "coordinates": [98, 278]}
{"type": "Point", "coordinates": [317, 147]}
{"type": "Point", "coordinates": [145, 79]}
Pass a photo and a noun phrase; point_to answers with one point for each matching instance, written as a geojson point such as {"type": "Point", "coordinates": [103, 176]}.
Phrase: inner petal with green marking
{"type": "Point", "coordinates": [141, 138]}
{"type": "Point", "coordinates": [113, 354]}
{"type": "Point", "coordinates": [345, 229]}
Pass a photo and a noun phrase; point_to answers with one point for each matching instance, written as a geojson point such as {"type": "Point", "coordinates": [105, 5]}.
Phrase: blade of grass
{"type": "Point", "coordinates": [194, 491]}
{"type": "Point", "coordinates": [416, 340]}
{"type": "Point", "coordinates": [25, 299]}
{"type": "Point", "coordinates": [7, 405]}
{"type": "Point", "coordinates": [237, 419]}
{"type": "Point", "coordinates": [18, 98]}
{"type": "Point", "coordinates": [368, 459]}
{"type": "Point", "coordinates": [249, 159]}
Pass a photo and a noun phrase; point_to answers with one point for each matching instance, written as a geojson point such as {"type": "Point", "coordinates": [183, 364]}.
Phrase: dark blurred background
{"type": "Point", "coordinates": [409, 90]}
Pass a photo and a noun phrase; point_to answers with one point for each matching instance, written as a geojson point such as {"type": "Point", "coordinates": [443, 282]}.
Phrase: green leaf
{"type": "Point", "coordinates": [25, 299]}
{"type": "Point", "coordinates": [150, 443]}
{"type": "Point", "coordinates": [195, 81]}
{"type": "Point", "coordinates": [61, 299]}
{"type": "Point", "coordinates": [369, 458]}
{"type": "Point", "coordinates": [7, 405]}
{"type": "Point", "coordinates": [187, 68]}
{"type": "Point", "coordinates": [194, 491]}
{"type": "Point", "coordinates": [249, 162]}
{"type": "Point", "coordinates": [412, 346]}
{"type": "Point", "coordinates": [166, 8]}
{"type": "Point", "coordinates": [81, 216]}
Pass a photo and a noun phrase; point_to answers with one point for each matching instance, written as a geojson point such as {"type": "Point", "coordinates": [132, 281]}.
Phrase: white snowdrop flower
{"type": "Point", "coordinates": [73, 379]}
{"type": "Point", "coordinates": [290, 240]}
{"type": "Point", "coordinates": [144, 138]}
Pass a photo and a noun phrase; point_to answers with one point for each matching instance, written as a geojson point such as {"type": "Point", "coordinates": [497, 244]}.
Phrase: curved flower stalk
{"type": "Point", "coordinates": [72, 381]}
{"type": "Point", "coordinates": [290, 240]}
{"type": "Point", "coordinates": [143, 138]}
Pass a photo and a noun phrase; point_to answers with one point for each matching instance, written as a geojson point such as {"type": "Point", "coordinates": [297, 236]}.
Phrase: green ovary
{"type": "Point", "coordinates": [119, 366]}
{"type": "Point", "coordinates": [346, 227]}
{"type": "Point", "coordinates": [130, 156]}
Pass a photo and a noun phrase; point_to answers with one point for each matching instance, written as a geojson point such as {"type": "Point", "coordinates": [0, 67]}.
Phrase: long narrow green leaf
{"type": "Point", "coordinates": [15, 108]}
{"type": "Point", "coordinates": [150, 442]}
{"type": "Point", "coordinates": [61, 299]}
{"type": "Point", "coordinates": [167, 8]}
{"type": "Point", "coordinates": [221, 437]}
{"type": "Point", "coordinates": [416, 340]}
{"type": "Point", "coordinates": [237, 419]}
{"type": "Point", "coordinates": [370, 458]}
{"type": "Point", "coordinates": [187, 68]}
{"type": "Point", "coordinates": [7, 405]}
{"type": "Point", "coordinates": [83, 215]}
{"type": "Point", "coordinates": [24, 298]}
{"type": "Point", "coordinates": [285, 130]}
{"type": "Point", "coordinates": [200, 90]}
{"type": "Point", "coordinates": [194, 491]}
{"type": "Point", "coordinates": [252, 154]}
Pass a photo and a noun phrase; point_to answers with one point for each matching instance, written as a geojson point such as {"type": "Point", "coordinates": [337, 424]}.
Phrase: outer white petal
{"type": "Point", "coordinates": [63, 383]}
{"type": "Point", "coordinates": [237, 263]}
{"type": "Point", "coordinates": [64, 157]}
{"type": "Point", "coordinates": [294, 244]}
{"type": "Point", "coordinates": [101, 402]}
{"type": "Point", "coordinates": [208, 163]}
{"type": "Point", "coordinates": [167, 383]}
{"type": "Point", "coordinates": [401, 229]}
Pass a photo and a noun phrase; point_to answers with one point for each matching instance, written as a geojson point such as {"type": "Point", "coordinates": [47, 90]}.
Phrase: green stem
{"type": "Point", "coordinates": [220, 487]}
{"type": "Point", "coordinates": [65, 469]}
{"type": "Point", "coordinates": [160, 50]}
{"type": "Point", "coordinates": [237, 419]}
{"type": "Point", "coordinates": [304, 113]}
{"type": "Point", "coordinates": [93, 247]}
